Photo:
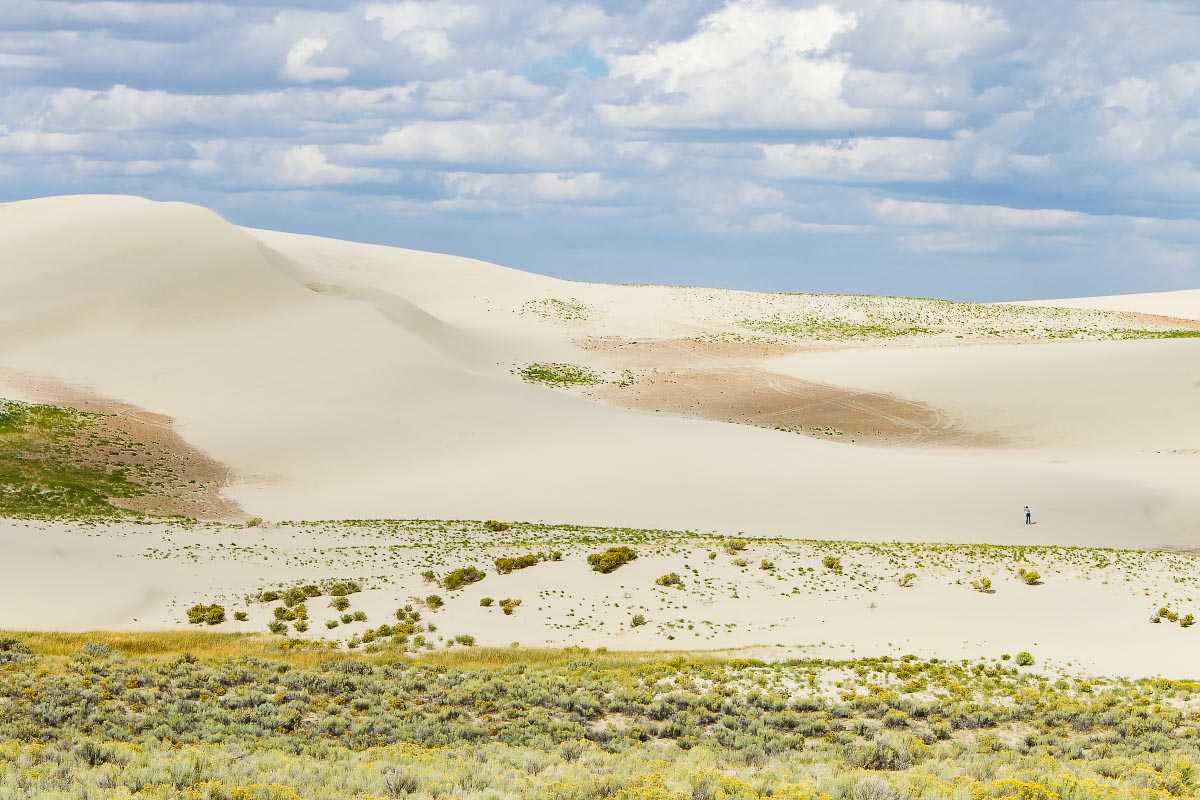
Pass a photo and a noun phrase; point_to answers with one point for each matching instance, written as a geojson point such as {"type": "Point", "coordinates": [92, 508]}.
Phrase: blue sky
{"type": "Point", "coordinates": [985, 151]}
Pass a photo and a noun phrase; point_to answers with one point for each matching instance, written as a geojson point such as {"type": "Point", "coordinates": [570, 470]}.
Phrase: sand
{"type": "Point", "coordinates": [337, 380]}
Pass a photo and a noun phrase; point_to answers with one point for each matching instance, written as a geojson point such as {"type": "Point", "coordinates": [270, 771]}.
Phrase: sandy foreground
{"type": "Point", "coordinates": [334, 380]}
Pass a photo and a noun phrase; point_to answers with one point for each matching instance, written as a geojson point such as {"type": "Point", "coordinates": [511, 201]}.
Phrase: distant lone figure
{"type": "Point", "coordinates": [1028, 516]}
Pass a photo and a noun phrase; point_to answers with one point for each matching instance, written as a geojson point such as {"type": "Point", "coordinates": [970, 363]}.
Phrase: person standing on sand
{"type": "Point", "coordinates": [1028, 516]}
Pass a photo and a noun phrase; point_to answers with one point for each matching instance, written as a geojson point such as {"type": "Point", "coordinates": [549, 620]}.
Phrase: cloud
{"type": "Point", "coordinates": [848, 144]}
{"type": "Point", "coordinates": [299, 67]}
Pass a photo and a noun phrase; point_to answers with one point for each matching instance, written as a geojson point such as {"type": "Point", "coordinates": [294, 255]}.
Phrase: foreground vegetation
{"type": "Point", "coordinates": [122, 717]}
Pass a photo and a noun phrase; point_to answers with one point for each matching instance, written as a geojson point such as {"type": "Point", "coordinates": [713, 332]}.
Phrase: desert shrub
{"type": "Point", "coordinates": [434, 601]}
{"type": "Point", "coordinates": [284, 614]}
{"type": "Point", "coordinates": [465, 639]}
{"type": "Point", "coordinates": [486, 602]}
{"type": "Point", "coordinates": [1030, 577]}
{"type": "Point", "coordinates": [906, 580]}
{"type": "Point", "coordinates": [343, 588]}
{"type": "Point", "coordinates": [463, 576]}
{"type": "Point", "coordinates": [301, 626]}
{"type": "Point", "coordinates": [740, 562]}
{"type": "Point", "coordinates": [506, 565]}
{"type": "Point", "coordinates": [874, 789]}
{"type": "Point", "coordinates": [278, 627]}
{"type": "Point", "coordinates": [982, 585]}
{"type": "Point", "coordinates": [508, 605]}
{"type": "Point", "coordinates": [241, 616]}
{"type": "Point", "coordinates": [1024, 659]}
{"type": "Point", "coordinates": [339, 603]}
{"type": "Point", "coordinates": [400, 782]}
{"type": "Point", "coordinates": [496, 526]}
{"type": "Point", "coordinates": [670, 579]}
{"type": "Point", "coordinates": [831, 562]}
{"type": "Point", "coordinates": [13, 650]}
{"type": "Point", "coordinates": [638, 620]}
{"type": "Point", "coordinates": [1187, 620]}
{"type": "Point", "coordinates": [269, 596]}
{"type": "Point", "coordinates": [294, 596]}
{"type": "Point", "coordinates": [734, 546]}
{"type": "Point", "coordinates": [766, 564]}
{"type": "Point", "coordinates": [206, 614]}
{"type": "Point", "coordinates": [359, 616]}
{"type": "Point", "coordinates": [347, 619]}
{"type": "Point", "coordinates": [429, 576]}
{"type": "Point", "coordinates": [331, 623]}
{"type": "Point", "coordinates": [887, 752]}
{"type": "Point", "coordinates": [611, 559]}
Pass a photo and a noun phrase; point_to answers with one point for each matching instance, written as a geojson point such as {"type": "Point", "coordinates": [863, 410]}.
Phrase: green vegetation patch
{"type": "Point", "coordinates": [580, 725]}
{"type": "Point", "coordinates": [611, 559]}
{"type": "Point", "coordinates": [45, 471]}
{"type": "Point", "coordinates": [553, 374]}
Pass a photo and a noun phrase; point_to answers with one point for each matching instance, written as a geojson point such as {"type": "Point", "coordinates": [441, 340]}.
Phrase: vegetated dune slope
{"type": "Point", "coordinates": [339, 380]}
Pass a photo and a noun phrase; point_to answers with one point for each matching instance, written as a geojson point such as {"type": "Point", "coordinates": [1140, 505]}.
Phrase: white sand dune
{"type": "Point", "coordinates": [1184, 304]}
{"type": "Point", "coordinates": [349, 381]}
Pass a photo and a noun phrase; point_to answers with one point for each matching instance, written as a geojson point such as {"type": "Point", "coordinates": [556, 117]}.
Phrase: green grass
{"type": "Point", "coordinates": [42, 473]}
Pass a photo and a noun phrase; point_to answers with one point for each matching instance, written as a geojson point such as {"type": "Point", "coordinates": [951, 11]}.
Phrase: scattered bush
{"type": "Point", "coordinates": [832, 563]}
{"type": "Point", "coordinates": [982, 585]}
{"type": "Point", "coordinates": [735, 546]}
{"type": "Point", "coordinates": [277, 627]}
{"type": "Point", "coordinates": [638, 620]}
{"type": "Point", "coordinates": [463, 576]}
{"type": "Point", "coordinates": [465, 639]}
{"type": "Point", "coordinates": [343, 588]}
{"type": "Point", "coordinates": [506, 565]}
{"type": "Point", "coordinates": [206, 614]}
{"type": "Point", "coordinates": [906, 580]}
{"type": "Point", "coordinates": [766, 564]}
{"type": "Point", "coordinates": [1024, 659]}
{"type": "Point", "coordinates": [509, 605]}
{"type": "Point", "coordinates": [486, 602]}
{"type": "Point", "coordinates": [339, 603]}
{"type": "Point", "coordinates": [434, 602]}
{"type": "Point", "coordinates": [241, 616]}
{"type": "Point", "coordinates": [1030, 577]}
{"type": "Point", "coordinates": [670, 579]}
{"type": "Point", "coordinates": [495, 526]}
{"type": "Point", "coordinates": [611, 559]}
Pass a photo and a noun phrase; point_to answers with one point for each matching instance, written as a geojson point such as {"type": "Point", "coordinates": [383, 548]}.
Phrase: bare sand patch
{"type": "Point", "coordinates": [752, 396]}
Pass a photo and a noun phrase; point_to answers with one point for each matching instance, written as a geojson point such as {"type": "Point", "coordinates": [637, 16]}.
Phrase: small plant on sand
{"type": "Point", "coordinates": [434, 601]}
{"type": "Point", "coordinates": [1030, 577]}
{"type": "Point", "coordinates": [983, 585]}
{"type": "Point", "coordinates": [429, 576]}
{"type": "Point", "coordinates": [611, 559]}
{"type": "Point", "coordinates": [906, 580]}
{"type": "Point", "coordinates": [767, 564]}
{"type": "Point", "coordinates": [464, 576]}
{"type": "Point", "coordinates": [832, 563]}
{"type": "Point", "coordinates": [670, 579]}
{"type": "Point", "coordinates": [486, 602]}
{"type": "Point", "coordinates": [735, 546]}
{"type": "Point", "coordinates": [638, 620]}
{"type": "Point", "coordinates": [740, 562]}
{"type": "Point", "coordinates": [1187, 620]}
{"type": "Point", "coordinates": [509, 605]}
{"type": "Point", "coordinates": [241, 616]}
{"type": "Point", "coordinates": [1024, 659]}
{"type": "Point", "coordinates": [465, 639]}
{"type": "Point", "coordinates": [553, 374]}
{"type": "Point", "coordinates": [339, 603]}
{"type": "Point", "coordinates": [496, 526]}
{"type": "Point", "coordinates": [278, 628]}
{"type": "Point", "coordinates": [331, 623]}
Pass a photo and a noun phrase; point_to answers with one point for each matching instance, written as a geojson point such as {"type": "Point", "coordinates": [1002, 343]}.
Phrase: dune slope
{"type": "Point", "coordinates": [349, 381]}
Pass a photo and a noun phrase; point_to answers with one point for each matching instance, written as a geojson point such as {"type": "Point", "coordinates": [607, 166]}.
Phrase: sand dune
{"type": "Point", "coordinates": [1184, 304]}
{"type": "Point", "coordinates": [346, 381]}
{"type": "Point", "coordinates": [334, 380]}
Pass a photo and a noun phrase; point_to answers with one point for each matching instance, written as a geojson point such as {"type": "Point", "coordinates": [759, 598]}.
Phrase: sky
{"type": "Point", "coordinates": [984, 151]}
